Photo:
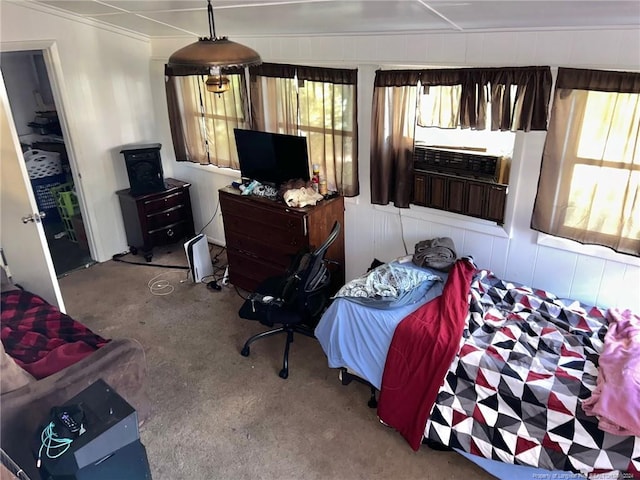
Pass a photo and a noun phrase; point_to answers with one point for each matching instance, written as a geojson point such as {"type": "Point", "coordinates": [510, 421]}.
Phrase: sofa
{"type": "Point", "coordinates": [26, 401]}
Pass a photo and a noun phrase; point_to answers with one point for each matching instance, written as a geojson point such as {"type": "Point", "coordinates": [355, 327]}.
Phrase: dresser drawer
{"type": "Point", "coordinates": [263, 236]}
{"type": "Point", "coordinates": [265, 249]}
{"type": "Point", "coordinates": [251, 232]}
{"type": "Point", "coordinates": [169, 233]}
{"type": "Point", "coordinates": [264, 219]}
{"type": "Point", "coordinates": [155, 205]}
{"type": "Point", "coordinates": [165, 217]}
{"type": "Point", "coordinates": [247, 272]}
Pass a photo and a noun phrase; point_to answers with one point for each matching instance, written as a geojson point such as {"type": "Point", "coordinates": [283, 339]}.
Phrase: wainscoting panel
{"type": "Point", "coordinates": [590, 279]}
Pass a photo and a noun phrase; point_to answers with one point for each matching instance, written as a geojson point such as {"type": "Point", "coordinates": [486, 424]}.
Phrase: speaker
{"type": "Point", "coordinates": [144, 168]}
{"type": "Point", "coordinates": [111, 440]}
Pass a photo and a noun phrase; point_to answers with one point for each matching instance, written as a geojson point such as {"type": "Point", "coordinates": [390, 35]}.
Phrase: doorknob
{"type": "Point", "coordinates": [34, 217]}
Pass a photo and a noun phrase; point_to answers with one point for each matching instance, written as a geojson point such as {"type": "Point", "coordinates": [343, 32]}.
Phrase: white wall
{"type": "Point", "coordinates": [105, 88]}
{"type": "Point", "coordinates": [114, 95]}
{"type": "Point", "coordinates": [382, 232]}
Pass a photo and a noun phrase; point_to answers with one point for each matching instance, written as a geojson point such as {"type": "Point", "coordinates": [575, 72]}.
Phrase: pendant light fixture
{"type": "Point", "coordinates": [212, 55]}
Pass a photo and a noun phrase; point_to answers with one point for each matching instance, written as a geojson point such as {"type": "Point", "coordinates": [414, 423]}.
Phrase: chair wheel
{"type": "Point", "coordinates": [284, 373]}
{"type": "Point", "coordinates": [245, 352]}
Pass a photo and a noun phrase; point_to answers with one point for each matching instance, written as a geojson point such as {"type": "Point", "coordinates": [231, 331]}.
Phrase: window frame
{"type": "Point", "coordinates": [561, 150]}
{"type": "Point", "coordinates": [194, 126]}
{"type": "Point", "coordinates": [341, 172]}
{"type": "Point", "coordinates": [564, 192]}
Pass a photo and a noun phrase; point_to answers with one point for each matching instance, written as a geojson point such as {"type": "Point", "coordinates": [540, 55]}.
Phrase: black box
{"type": "Point", "coordinates": [109, 446]}
{"type": "Point", "coordinates": [127, 463]}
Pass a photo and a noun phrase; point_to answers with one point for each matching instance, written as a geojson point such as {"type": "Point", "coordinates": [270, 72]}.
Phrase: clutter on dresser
{"type": "Point", "coordinates": [300, 193]}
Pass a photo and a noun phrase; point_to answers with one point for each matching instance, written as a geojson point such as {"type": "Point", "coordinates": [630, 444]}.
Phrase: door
{"type": "Point", "coordinates": [29, 79]}
{"type": "Point", "coordinates": [24, 244]}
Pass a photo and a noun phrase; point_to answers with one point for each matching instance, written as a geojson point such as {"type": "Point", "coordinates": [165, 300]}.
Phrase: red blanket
{"type": "Point", "coordinates": [39, 337]}
{"type": "Point", "coordinates": [423, 346]}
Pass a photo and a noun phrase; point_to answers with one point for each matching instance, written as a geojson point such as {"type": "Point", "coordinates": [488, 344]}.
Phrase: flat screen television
{"type": "Point", "coordinates": [271, 158]}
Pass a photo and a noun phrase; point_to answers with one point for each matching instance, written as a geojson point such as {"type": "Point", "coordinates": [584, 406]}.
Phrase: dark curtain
{"type": "Point", "coordinates": [481, 85]}
{"type": "Point", "coordinates": [519, 99]}
{"type": "Point", "coordinates": [598, 80]}
{"type": "Point", "coordinates": [392, 134]}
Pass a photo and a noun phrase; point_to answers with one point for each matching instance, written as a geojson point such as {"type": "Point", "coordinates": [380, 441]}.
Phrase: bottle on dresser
{"type": "Point", "coordinates": [315, 178]}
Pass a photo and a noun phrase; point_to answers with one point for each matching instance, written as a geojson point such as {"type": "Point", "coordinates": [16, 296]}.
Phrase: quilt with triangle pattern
{"type": "Point", "coordinates": [514, 392]}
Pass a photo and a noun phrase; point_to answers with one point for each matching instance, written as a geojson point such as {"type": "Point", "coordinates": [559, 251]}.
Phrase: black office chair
{"type": "Point", "coordinates": [294, 301]}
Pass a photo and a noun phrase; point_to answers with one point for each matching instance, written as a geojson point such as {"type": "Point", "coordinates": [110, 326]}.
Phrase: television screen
{"type": "Point", "coordinates": [271, 158]}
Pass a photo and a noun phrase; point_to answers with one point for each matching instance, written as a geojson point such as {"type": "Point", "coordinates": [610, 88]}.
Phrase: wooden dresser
{"type": "Point", "coordinates": [155, 219]}
{"type": "Point", "coordinates": [263, 235]}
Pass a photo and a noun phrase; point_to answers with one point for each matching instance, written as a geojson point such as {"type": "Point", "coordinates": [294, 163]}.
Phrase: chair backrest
{"type": "Point", "coordinates": [308, 279]}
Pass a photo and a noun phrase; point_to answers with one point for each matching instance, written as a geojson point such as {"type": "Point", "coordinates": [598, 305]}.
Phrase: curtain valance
{"type": "Point", "coordinates": [188, 70]}
{"type": "Point", "coordinates": [599, 80]}
{"type": "Point", "coordinates": [519, 96]}
{"type": "Point", "coordinates": [338, 76]}
{"type": "Point", "coordinates": [396, 78]}
{"type": "Point", "coordinates": [273, 70]}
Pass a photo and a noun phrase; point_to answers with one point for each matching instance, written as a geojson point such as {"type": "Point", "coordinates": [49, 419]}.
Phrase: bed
{"type": "Point", "coordinates": [513, 395]}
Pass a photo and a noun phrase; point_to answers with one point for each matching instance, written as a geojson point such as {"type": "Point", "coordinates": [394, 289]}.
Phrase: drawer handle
{"type": "Point", "coordinates": [170, 233]}
{"type": "Point", "coordinates": [168, 214]}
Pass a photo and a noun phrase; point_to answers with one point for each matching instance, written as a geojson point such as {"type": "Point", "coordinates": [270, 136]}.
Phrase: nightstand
{"type": "Point", "coordinates": [156, 219]}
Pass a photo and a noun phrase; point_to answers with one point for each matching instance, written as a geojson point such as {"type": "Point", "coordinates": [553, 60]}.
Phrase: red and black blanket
{"type": "Point", "coordinates": [39, 337]}
{"type": "Point", "coordinates": [514, 392]}
{"type": "Point", "coordinates": [502, 373]}
{"type": "Point", "coordinates": [422, 348]}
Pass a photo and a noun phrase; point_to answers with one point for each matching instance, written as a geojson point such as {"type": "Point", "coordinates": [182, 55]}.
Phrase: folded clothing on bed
{"type": "Point", "coordinates": [40, 338]}
{"type": "Point", "coordinates": [438, 253]}
{"type": "Point", "coordinates": [390, 285]}
{"type": "Point", "coordinates": [616, 398]}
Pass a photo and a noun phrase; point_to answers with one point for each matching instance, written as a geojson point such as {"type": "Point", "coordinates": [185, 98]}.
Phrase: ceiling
{"type": "Point", "coordinates": [175, 18]}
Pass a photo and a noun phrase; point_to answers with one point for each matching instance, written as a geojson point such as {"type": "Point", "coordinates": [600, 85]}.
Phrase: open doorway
{"type": "Point", "coordinates": [45, 153]}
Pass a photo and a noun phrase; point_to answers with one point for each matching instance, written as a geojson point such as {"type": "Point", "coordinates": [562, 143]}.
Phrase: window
{"type": "Point", "coordinates": [440, 106]}
{"type": "Point", "coordinates": [473, 110]}
{"type": "Point", "coordinates": [318, 103]}
{"type": "Point", "coordinates": [588, 187]}
{"type": "Point", "coordinates": [202, 122]}
{"type": "Point", "coordinates": [326, 118]}
{"type": "Point", "coordinates": [459, 170]}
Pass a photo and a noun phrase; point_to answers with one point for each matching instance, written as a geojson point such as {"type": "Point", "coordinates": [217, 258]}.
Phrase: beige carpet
{"type": "Point", "coordinates": [218, 415]}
